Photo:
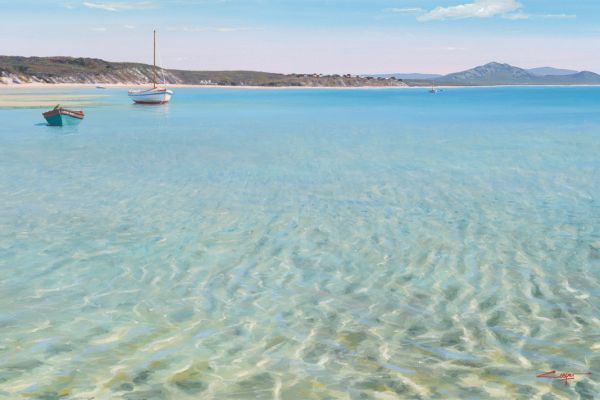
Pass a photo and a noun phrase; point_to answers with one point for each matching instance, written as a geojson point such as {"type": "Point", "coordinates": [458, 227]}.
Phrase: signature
{"type": "Point", "coordinates": [563, 376]}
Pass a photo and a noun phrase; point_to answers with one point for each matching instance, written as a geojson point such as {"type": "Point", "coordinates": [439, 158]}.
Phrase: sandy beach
{"type": "Point", "coordinates": [133, 86]}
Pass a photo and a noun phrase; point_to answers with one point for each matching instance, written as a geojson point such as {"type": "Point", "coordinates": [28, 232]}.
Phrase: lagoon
{"type": "Point", "coordinates": [302, 244]}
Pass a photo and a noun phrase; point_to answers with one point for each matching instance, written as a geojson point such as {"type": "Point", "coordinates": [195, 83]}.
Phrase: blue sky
{"type": "Point", "coordinates": [327, 36]}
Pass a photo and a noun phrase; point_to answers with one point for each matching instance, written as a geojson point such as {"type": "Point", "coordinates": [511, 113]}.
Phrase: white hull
{"type": "Point", "coordinates": [150, 96]}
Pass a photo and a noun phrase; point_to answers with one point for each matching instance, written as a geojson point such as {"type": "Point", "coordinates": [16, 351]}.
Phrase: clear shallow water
{"type": "Point", "coordinates": [303, 244]}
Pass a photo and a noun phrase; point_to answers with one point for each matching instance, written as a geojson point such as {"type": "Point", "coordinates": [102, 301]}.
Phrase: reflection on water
{"type": "Point", "coordinates": [303, 244]}
{"type": "Point", "coordinates": [158, 110]}
{"type": "Point", "coordinates": [64, 130]}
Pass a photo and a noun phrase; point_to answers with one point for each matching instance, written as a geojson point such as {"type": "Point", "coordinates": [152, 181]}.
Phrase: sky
{"type": "Point", "coordinates": [310, 36]}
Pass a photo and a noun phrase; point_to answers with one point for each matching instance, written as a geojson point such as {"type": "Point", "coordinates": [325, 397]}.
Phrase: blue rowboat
{"type": "Point", "coordinates": [61, 116]}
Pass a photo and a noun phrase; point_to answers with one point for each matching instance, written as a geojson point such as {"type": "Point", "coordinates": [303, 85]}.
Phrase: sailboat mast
{"type": "Point", "coordinates": [154, 63]}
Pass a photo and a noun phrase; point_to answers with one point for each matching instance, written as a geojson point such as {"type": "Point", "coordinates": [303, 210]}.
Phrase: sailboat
{"type": "Point", "coordinates": [434, 89]}
{"type": "Point", "coordinates": [156, 95]}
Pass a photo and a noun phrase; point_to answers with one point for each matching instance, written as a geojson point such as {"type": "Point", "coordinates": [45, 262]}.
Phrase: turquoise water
{"type": "Point", "coordinates": [303, 244]}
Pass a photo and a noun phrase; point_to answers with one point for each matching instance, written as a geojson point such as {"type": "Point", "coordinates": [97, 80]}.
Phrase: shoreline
{"type": "Point", "coordinates": [177, 86]}
{"type": "Point", "coordinates": [184, 86]}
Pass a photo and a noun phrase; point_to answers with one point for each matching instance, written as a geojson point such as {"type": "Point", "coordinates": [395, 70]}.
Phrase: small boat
{"type": "Point", "coordinates": [151, 96]}
{"type": "Point", "coordinates": [434, 90]}
{"type": "Point", "coordinates": [59, 116]}
{"type": "Point", "coordinates": [155, 95]}
{"type": "Point", "coordinates": [100, 87]}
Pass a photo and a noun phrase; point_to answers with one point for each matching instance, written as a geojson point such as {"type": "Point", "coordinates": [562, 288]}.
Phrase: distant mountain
{"type": "Point", "coordinates": [544, 71]}
{"type": "Point", "coordinates": [504, 74]}
{"type": "Point", "coordinates": [490, 74]}
{"type": "Point", "coordinates": [408, 76]}
{"type": "Point", "coordinates": [580, 78]}
{"type": "Point", "coordinates": [96, 71]}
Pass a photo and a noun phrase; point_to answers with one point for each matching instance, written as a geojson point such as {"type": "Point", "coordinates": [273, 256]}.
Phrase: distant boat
{"type": "Point", "coordinates": [434, 90]}
{"type": "Point", "coordinates": [155, 95]}
{"type": "Point", "coordinates": [59, 116]}
{"type": "Point", "coordinates": [100, 87]}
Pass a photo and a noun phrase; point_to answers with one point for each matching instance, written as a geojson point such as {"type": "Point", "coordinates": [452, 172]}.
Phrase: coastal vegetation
{"type": "Point", "coordinates": [95, 71]}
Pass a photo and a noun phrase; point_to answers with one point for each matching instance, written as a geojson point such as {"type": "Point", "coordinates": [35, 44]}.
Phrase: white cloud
{"type": "Point", "coordinates": [520, 15]}
{"type": "Point", "coordinates": [476, 9]}
{"type": "Point", "coordinates": [121, 6]}
{"type": "Point", "coordinates": [129, 26]}
{"type": "Point", "coordinates": [99, 29]}
{"type": "Point", "coordinates": [516, 16]}
{"type": "Point", "coordinates": [217, 29]}
{"type": "Point", "coordinates": [406, 10]}
{"type": "Point", "coordinates": [559, 16]}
